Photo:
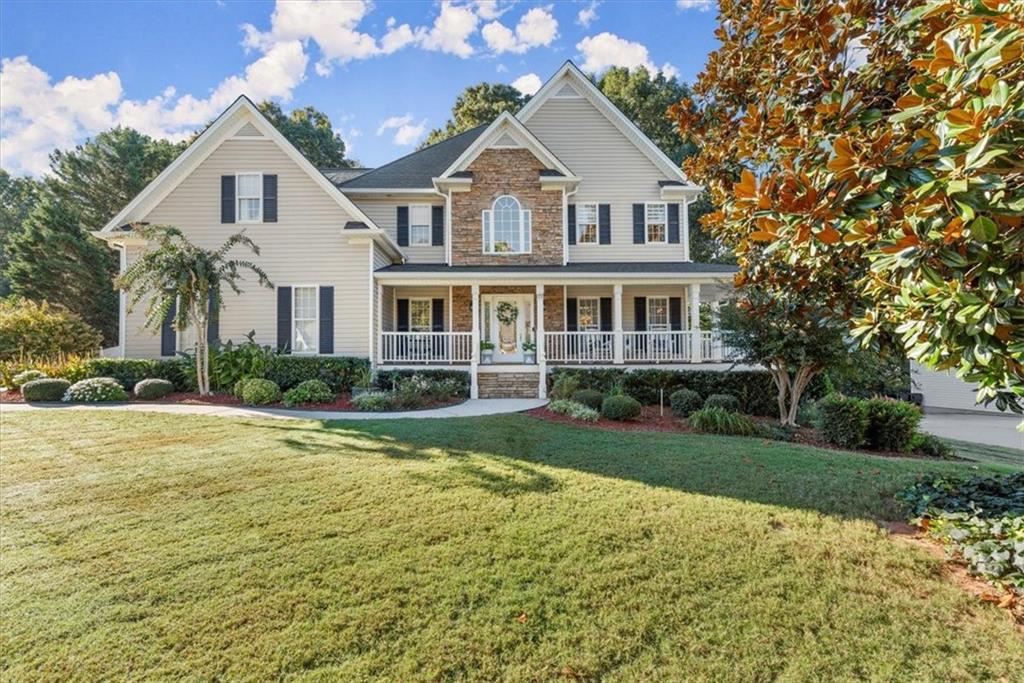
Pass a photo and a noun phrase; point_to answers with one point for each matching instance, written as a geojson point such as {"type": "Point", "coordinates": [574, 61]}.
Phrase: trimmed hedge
{"type": "Point", "coordinates": [389, 380]}
{"type": "Point", "coordinates": [152, 388]}
{"type": "Point", "coordinates": [47, 389]}
{"type": "Point", "coordinates": [843, 421]}
{"type": "Point", "coordinates": [260, 392]}
{"type": "Point", "coordinates": [96, 390]}
{"type": "Point", "coordinates": [891, 424]}
{"type": "Point", "coordinates": [338, 372]}
{"type": "Point", "coordinates": [26, 376]}
{"type": "Point", "coordinates": [684, 402]}
{"type": "Point", "coordinates": [591, 398]}
{"type": "Point", "coordinates": [310, 391]}
{"type": "Point", "coordinates": [723, 401]}
{"type": "Point", "coordinates": [620, 408]}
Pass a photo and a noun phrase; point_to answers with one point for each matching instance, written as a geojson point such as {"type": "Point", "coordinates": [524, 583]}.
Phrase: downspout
{"type": "Point", "coordinates": [447, 196]}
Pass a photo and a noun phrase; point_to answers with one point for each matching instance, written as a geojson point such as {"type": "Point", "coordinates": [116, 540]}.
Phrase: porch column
{"type": "Point", "coordinates": [542, 358]}
{"type": "Point", "coordinates": [474, 391]}
{"type": "Point", "coordinates": [617, 323]}
{"type": "Point", "coordinates": [716, 334]}
{"type": "Point", "coordinates": [379, 356]}
{"type": "Point", "coordinates": [695, 323]}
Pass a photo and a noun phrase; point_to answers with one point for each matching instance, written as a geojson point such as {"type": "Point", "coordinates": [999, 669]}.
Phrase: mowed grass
{"type": "Point", "coordinates": [147, 546]}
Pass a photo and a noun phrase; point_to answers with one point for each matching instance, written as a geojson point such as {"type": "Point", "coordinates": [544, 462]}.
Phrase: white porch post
{"type": "Point", "coordinates": [716, 334]}
{"type": "Point", "coordinates": [542, 358]}
{"type": "Point", "coordinates": [695, 323]}
{"type": "Point", "coordinates": [474, 391]}
{"type": "Point", "coordinates": [617, 323]}
{"type": "Point", "coordinates": [379, 356]}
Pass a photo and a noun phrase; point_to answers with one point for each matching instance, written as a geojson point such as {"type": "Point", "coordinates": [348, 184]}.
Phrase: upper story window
{"type": "Point", "coordinates": [506, 227]}
{"type": "Point", "coordinates": [305, 319]}
{"type": "Point", "coordinates": [656, 221]}
{"type": "Point", "coordinates": [419, 225]}
{"type": "Point", "coordinates": [586, 223]}
{"type": "Point", "coordinates": [421, 315]}
{"type": "Point", "coordinates": [588, 314]}
{"type": "Point", "coordinates": [249, 195]}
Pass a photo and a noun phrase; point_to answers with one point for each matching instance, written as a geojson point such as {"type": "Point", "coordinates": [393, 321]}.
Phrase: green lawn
{"type": "Point", "coordinates": [149, 546]}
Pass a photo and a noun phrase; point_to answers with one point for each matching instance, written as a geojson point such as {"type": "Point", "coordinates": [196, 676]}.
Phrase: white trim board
{"type": "Point", "coordinates": [506, 124]}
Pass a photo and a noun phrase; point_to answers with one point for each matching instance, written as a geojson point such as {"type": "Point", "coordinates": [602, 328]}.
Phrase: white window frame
{"type": "Point", "coordinates": [525, 229]}
{"type": "Point", "coordinates": [239, 198]}
{"type": "Point", "coordinates": [668, 315]}
{"type": "Point", "coordinates": [316, 321]}
{"type": "Point", "coordinates": [426, 238]}
{"type": "Point", "coordinates": [580, 225]}
{"type": "Point", "coordinates": [430, 314]}
{"type": "Point", "coordinates": [648, 223]}
{"type": "Point", "coordinates": [595, 326]}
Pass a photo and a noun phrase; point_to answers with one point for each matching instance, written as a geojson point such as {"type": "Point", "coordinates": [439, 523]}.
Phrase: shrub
{"type": "Point", "coordinates": [564, 387]}
{"type": "Point", "coordinates": [338, 372]}
{"type": "Point", "coordinates": [843, 421]}
{"type": "Point", "coordinates": [573, 409]}
{"type": "Point", "coordinates": [310, 391]}
{"type": "Point", "coordinates": [443, 383]}
{"type": "Point", "coordinates": [723, 401]}
{"type": "Point", "coordinates": [891, 424]}
{"type": "Point", "coordinates": [71, 368]}
{"type": "Point", "coordinates": [684, 402]}
{"type": "Point", "coordinates": [95, 390]}
{"type": "Point", "coordinates": [230, 362]}
{"type": "Point", "coordinates": [47, 389]}
{"type": "Point", "coordinates": [43, 330]}
{"type": "Point", "coordinates": [620, 408]}
{"type": "Point", "coordinates": [721, 421]}
{"type": "Point", "coordinates": [127, 371]}
{"type": "Point", "coordinates": [932, 446]}
{"type": "Point", "coordinates": [591, 398]}
{"type": "Point", "coordinates": [26, 376]}
{"type": "Point", "coordinates": [778, 433]}
{"type": "Point", "coordinates": [149, 389]}
{"type": "Point", "coordinates": [375, 401]}
{"type": "Point", "coordinates": [260, 392]}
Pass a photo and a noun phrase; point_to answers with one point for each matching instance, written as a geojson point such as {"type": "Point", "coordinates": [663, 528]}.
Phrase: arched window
{"type": "Point", "coordinates": [506, 227]}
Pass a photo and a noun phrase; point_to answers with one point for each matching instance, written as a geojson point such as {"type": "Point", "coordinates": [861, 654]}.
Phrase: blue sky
{"type": "Point", "coordinates": [385, 72]}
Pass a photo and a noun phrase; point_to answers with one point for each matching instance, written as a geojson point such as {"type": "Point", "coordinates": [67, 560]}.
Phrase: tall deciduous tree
{"type": "Point", "coordinates": [311, 132]}
{"type": "Point", "coordinates": [867, 154]}
{"type": "Point", "coordinates": [477, 105]}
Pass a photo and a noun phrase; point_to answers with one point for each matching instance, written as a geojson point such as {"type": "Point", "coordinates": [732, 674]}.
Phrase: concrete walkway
{"type": "Point", "coordinates": [471, 408]}
{"type": "Point", "coordinates": [984, 428]}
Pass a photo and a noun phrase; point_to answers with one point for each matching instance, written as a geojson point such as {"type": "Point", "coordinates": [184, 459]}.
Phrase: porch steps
{"type": "Point", "coordinates": [507, 384]}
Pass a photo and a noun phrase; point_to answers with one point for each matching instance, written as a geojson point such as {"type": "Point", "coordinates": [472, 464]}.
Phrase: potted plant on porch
{"type": "Point", "coordinates": [486, 351]}
{"type": "Point", "coordinates": [529, 352]}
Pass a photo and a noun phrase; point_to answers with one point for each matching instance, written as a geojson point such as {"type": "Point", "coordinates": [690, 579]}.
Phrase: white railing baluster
{"type": "Point", "coordinates": [425, 348]}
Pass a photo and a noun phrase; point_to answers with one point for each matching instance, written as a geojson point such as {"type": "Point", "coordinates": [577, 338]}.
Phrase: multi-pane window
{"type": "Point", "coordinates": [419, 225]}
{"type": "Point", "coordinates": [586, 223]}
{"type": "Point", "coordinates": [420, 315]}
{"type": "Point", "coordinates": [506, 227]}
{"type": "Point", "coordinates": [657, 313]}
{"type": "Point", "coordinates": [249, 193]}
{"type": "Point", "coordinates": [657, 222]}
{"type": "Point", "coordinates": [305, 320]}
{"type": "Point", "coordinates": [588, 314]}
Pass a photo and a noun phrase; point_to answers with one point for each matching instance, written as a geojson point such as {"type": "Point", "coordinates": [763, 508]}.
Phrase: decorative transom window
{"type": "Point", "coordinates": [419, 225]}
{"type": "Point", "coordinates": [657, 314]}
{"type": "Point", "coordinates": [656, 219]}
{"type": "Point", "coordinates": [588, 314]}
{"type": "Point", "coordinates": [249, 195]}
{"type": "Point", "coordinates": [305, 319]}
{"type": "Point", "coordinates": [586, 223]}
{"type": "Point", "coordinates": [420, 315]}
{"type": "Point", "coordinates": [506, 227]}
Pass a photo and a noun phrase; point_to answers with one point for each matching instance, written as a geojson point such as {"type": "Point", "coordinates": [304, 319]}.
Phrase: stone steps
{"type": "Point", "coordinates": [508, 384]}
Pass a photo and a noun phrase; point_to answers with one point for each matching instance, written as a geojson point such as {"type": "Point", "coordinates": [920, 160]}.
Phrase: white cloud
{"type": "Point", "coordinates": [607, 50]}
{"type": "Point", "coordinates": [501, 68]}
{"type": "Point", "coordinates": [702, 5]}
{"type": "Point", "coordinates": [450, 32]}
{"type": "Point", "coordinates": [527, 84]}
{"type": "Point", "coordinates": [588, 14]}
{"type": "Point", "coordinates": [406, 132]}
{"type": "Point", "coordinates": [536, 28]}
{"type": "Point", "coordinates": [490, 9]}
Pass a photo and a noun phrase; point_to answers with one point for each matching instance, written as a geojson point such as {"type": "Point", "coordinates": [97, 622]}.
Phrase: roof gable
{"type": "Point", "coordinates": [506, 131]}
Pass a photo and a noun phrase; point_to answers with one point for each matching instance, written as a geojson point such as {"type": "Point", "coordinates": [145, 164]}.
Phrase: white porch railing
{"type": "Point", "coordinates": [426, 347]}
{"type": "Point", "coordinates": [579, 347]}
{"type": "Point", "coordinates": [657, 347]}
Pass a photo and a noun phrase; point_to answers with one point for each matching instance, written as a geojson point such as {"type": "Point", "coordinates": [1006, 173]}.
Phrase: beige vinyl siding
{"type": "Point", "coordinates": [944, 390]}
{"type": "Point", "coordinates": [139, 342]}
{"type": "Point", "coordinates": [306, 246]}
{"type": "Point", "coordinates": [384, 213]}
{"type": "Point", "coordinates": [613, 172]}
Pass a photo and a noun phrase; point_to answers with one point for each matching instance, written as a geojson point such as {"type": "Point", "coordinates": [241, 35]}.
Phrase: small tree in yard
{"type": "Point", "coordinates": [179, 275]}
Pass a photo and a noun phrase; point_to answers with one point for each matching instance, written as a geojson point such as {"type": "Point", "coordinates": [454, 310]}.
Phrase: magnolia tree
{"type": "Point", "coordinates": [866, 154]}
{"type": "Point", "coordinates": [179, 277]}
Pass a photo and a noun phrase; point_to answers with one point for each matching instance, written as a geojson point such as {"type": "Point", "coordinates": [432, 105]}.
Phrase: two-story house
{"type": "Point", "coordinates": [555, 236]}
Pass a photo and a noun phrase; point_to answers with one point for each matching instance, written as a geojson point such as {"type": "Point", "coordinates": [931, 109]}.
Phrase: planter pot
{"type": "Point", "coordinates": [530, 357]}
{"type": "Point", "coordinates": [486, 355]}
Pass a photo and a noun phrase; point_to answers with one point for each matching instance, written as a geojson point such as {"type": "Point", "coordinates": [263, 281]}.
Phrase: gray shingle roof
{"type": "Point", "coordinates": [658, 267]}
{"type": "Point", "coordinates": [417, 169]}
{"type": "Point", "coordinates": [343, 175]}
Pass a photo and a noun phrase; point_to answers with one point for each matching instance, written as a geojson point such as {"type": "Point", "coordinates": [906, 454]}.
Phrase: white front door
{"type": "Point", "coordinates": [508, 323]}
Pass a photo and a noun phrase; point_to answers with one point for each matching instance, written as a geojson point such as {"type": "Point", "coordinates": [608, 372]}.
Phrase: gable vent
{"type": "Point", "coordinates": [567, 91]}
{"type": "Point", "coordinates": [249, 131]}
{"type": "Point", "coordinates": [505, 140]}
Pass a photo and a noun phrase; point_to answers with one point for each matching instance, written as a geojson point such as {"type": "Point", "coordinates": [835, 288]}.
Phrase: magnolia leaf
{"type": "Point", "coordinates": [984, 229]}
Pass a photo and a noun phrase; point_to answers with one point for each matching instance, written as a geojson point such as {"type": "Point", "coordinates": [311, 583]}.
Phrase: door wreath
{"type": "Point", "coordinates": [507, 313]}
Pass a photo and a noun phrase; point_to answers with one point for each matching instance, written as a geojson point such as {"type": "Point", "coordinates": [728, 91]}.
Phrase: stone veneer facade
{"type": "Point", "coordinates": [462, 305]}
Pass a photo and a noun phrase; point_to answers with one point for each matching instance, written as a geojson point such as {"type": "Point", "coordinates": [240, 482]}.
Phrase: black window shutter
{"type": "Point", "coordinates": [326, 320]}
{"type": "Point", "coordinates": [437, 315]}
{"type": "Point", "coordinates": [606, 313]}
{"type": "Point", "coordinates": [437, 226]}
{"type": "Point", "coordinates": [639, 236]}
{"type": "Point", "coordinates": [675, 313]}
{"type": "Point", "coordinates": [673, 223]}
{"type": "Point", "coordinates": [572, 224]}
{"type": "Point", "coordinates": [604, 223]}
{"type": "Point", "coordinates": [213, 318]}
{"type": "Point", "coordinates": [270, 199]}
{"type": "Point", "coordinates": [227, 199]}
{"type": "Point", "coordinates": [168, 336]}
{"type": "Point", "coordinates": [284, 319]}
{"type": "Point", "coordinates": [403, 315]}
{"type": "Point", "coordinates": [570, 315]}
{"type": "Point", "coordinates": [640, 314]}
{"type": "Point", "coordinates": [403, 226]}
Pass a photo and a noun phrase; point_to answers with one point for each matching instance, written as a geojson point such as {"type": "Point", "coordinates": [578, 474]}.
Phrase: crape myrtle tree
{"type": "Point", "coordinates": [181, 279]}
{"type": "Point", "coordinates": [867, 155]}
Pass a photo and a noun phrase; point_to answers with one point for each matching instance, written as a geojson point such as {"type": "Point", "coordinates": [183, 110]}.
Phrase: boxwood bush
{"type": "Point", "coordinates": [723, 401]}
{"type": "Point", "coordinates": [46, 389]}
{"type": "Point", "coordinates": [310, 391]}
{"type": "Point", "coordinates": [260, 392]}
{"type": "Point", "coordinates": [843, 421]}
{"type": "Point", "coordinates": [338, 372]}
{"type": "Point", "coordinates": [891, 424]}
{"type": "Point", "coordinates": [592, 398]}
{"type": "Point", "coordinates": [620, 408]}
{"type": "Point", "coordinates": [26, 376]}
{"type": "Point", "coordinates": [149, 389]}
{"type": "Point", "coordinates": [96, 390]}
{"type": "Point", "coordinates": [721, 421]}
{"type": "Point", "coordinates": [685, 401]}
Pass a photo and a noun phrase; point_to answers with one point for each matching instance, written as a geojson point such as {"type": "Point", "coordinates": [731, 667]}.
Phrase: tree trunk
{"type": "Point", "coordinates": [803, 377]}
{"type": "Point", "coordinates": [202, 350]}
{"type": "Point", "coordinates": [781, 376]}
